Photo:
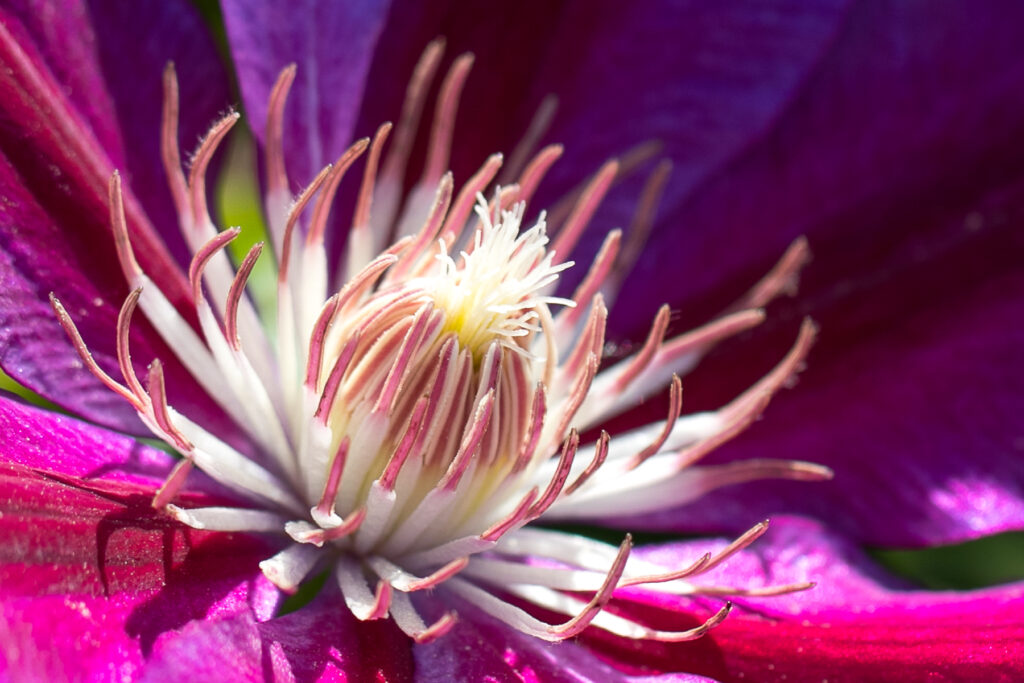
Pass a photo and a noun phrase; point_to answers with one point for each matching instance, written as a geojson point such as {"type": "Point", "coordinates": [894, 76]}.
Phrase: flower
{"type": "Point", "coordinates": [230, 605]}
{"type": "Point", "coordinates": [411, 424]}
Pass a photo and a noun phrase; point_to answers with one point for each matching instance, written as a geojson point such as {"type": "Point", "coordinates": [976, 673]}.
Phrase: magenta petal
{"type": "Point", "coordinates": [64, 638]}
{"type": "Point", "coordinates": [87, 566]}
{"type": "Point", "coordinates": [855, 625]}
{"type": "Point", "coordinates": [324, 642]}
{"type": "Point", "coordinates": [331, 44]}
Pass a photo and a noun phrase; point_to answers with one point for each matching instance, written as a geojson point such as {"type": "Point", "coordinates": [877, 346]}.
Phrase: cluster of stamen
{"type": "Point", "coordinates": [412, 423]}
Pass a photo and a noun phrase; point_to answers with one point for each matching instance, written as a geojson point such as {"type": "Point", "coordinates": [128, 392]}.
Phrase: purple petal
{"type": "Point", "coordinates": [331, 44]}
{"type": "Point", "coordinates": [908, 187]}
{"type": "Point", "coordinates": [921, 423]}
{"type": "Point", "coordinates": [54, 228]}
{"type": "Point", "coordinates": [855, 625]}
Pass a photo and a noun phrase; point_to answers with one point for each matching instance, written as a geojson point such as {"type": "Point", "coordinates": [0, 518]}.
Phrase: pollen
{"type": "Point", "coordinates": [495, 291]}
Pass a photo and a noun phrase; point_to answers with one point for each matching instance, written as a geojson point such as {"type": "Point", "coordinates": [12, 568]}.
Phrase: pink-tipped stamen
{"type": "Point", "coordinates": [561, 475]}
{"type": "Point", "coordinates": [325, 508]}
{"type": "Point", "coordinates": [170, 154]}
{"type": "Point", "coordinates": [675, 408]}
{"type": "Point", "coordinates": [322, 208]}
{"type": "Point", "coordinates": [235, 294]}
{"type": "Point", "coordinates": [202, 257]}
{"type": "Point", "coordinates": [293, 219]}
{"type": "Point", "coordinates": [539, 125]}
{"type": "Point", "coordinates": [197, 175]}
{"type": "Point", "coordinates": [87, 358]}
{"type": "Point", "coordinates": [569, 234]}
{"type": "Point", "coordinates": [443, 126]}
{"type": "Point", "coordinates": [642, 359]}
{"type": "Point", "coordinates": [600, 455]}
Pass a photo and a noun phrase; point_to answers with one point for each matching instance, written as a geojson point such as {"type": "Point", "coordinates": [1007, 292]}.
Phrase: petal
{"type": "Point", "coordinates": [908, 188]}
{"type": "Point", "coordinates": [331, 44]}
{"type": "Point", "coordinates": [920, 420]}
{"type": "Point", "coordinates": [209, 651]}
{"type": "Point", "coordinates": [91, 575]}
{"type": "Point", "coordinates": [324, 642]}
{"type": "Point", "coordinates": [76, 516]}
{"type": "Point", "coordinates": [855, 625]}
{"type": "Point", "coordinates": [113, 81]}
{"type": "Point", "coordinates": [55, 161]}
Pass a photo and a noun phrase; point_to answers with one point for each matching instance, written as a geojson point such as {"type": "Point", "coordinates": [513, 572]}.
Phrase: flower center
{"type": "Point", "coordinates": [410, 423]}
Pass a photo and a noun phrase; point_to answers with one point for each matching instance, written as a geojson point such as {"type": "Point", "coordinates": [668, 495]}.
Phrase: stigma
{"type": "Point", "coordinates": [417, 410]}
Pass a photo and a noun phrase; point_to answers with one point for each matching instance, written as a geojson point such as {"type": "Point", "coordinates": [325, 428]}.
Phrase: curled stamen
{"type": "Point", "coordinates": [197, 175]}
{"type": "Point", "coordinates": [675, 407]}
{"type": "Point", "coordinates": [276, 175]}
{"type": "Point", "coordinates": [322, 208]}
{"type": "Point", "coordinates": [235, 294]}
{"type": "Point", "coordinates": [600, 455]}
{"type": "Point", "coordinates": [293, 219]}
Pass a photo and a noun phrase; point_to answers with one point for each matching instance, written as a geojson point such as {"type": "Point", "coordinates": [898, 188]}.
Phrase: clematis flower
{"type": "Point", "coordinates": [179, 597]}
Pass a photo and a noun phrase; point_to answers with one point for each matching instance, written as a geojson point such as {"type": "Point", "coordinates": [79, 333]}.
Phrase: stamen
{"type": "Point", "coordinates": [641, 360]}
{"type": "Point", "coordinates": [119, 224]}
{"type": "Point", "coordinates": [83, 352]}
{"type": "Point", "coordinates": [158, 397]}
{"type": "Point", "coordinates": [293, 218]}
{"type": "Point", "coordinates": [325, 508]}
{"type": "Point", "coordinates": [584, 210]}
{"type": "Point", "coordinates": [169, 152]}
{"type": "Point", "coordinates": [203, 256]}
{"type": "Point", "coordinates": [536, 170]}
{"type": "Point", "coordinates": [276, 198]}
{"type": "Point", "coordinates": [600, 454]}
{"type": "Point", "coordinates": [444, 120]}
{"type": "Point", "coordinates": [782, 279]}
{"type": "Point", "coordinates": [236, 293]}
{"type": "Point", "coordinates": [175, 480]}
{"type": "Point", "coordinates": [202, 224]}
{"type": "Point", "coordinates": [124, 357]}
{"type": "Point", "coordinates": [539, 125]}
{"type": "Point", "coordinates": [463, 204]}
{"type": "Point", "coordinates": [363, 242]}
{"type": "Point", "coordinates": [675, 407]}
{"type": "Point", "coordinates": [412, 110]}
{"type": "Point", "coordinates": [640, 228]}
{"type": "Point", "coordinates": [322, 208]}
